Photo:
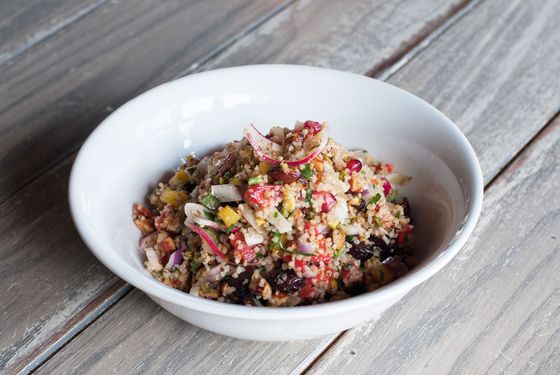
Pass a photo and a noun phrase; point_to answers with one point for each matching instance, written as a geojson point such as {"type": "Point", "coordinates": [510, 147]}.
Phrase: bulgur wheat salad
{"type": "Point", "coordinates": [290, 218]}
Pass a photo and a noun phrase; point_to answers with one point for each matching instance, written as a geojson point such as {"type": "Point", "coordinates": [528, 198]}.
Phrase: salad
{"type": "Point", "coordinates": [284, 219]}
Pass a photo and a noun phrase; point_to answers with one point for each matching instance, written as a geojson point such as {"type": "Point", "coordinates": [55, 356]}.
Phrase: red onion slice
{"type": "Point", "coordinates": [314, 153]}
{"type": "Point", "coordinates": [148, 240]}
{"type": "Point", "coordinates": [174, 259]}
{"type": "Point", "coordinates": [196, 213]}
{"type": "Point", "coordinates": [264, 147]}
{"type": "Point", "coordinates": [207, 238]}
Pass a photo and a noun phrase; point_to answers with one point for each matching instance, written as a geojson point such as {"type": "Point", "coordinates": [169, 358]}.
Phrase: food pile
{"type": "Point", "coordinates": [290, 218]}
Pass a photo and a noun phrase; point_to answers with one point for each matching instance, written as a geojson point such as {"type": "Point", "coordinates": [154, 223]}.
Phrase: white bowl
{"type": "Point", "coordinates": [126, 155]}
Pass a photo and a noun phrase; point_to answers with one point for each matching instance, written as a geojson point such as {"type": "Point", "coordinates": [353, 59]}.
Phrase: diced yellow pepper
{"type": "Point", "coordinates": [175, 198]}
{"type": "Point", "coordinates": [334, 224]}
{"type": "Point", "coordinates": [235, 181]}
{"type": "Point", "coordinates": [260, 221]}
{"type": "Point", "coordinates": [264, 167]}
{"type": "Point", "coordinates": [229, 216]}
{"type": "Point", "coordinates": [180, 178]}
{"type": "Point", "coordinates": [289, 204]}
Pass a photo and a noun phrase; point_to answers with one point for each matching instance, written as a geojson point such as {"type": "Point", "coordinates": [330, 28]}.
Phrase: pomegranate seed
{"type": "Point", "coordinates": [354, 165]}
{"type": "Point", "coordinates": [313, 126]}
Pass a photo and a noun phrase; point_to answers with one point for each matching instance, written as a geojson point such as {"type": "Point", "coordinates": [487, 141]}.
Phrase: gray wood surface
{"type": "Point", "coordinates": [62, 88]}
{"type": "Point", "coordinates": [495, 74]}
{"type": "Point", "coordinates": [49, 282]}
{"type": "Point", "coordinates": [496, 307]}
{"type": "Point", "coordinates": [147, 339]}
{"type": "Point", "coordinates": [23, 24]}
{"type": "Point", "coordinates": [492, 72]}
{"type": "Point", "coordinates": [355, 36]}
{"type": "Point", "coordinates": [84, 305]}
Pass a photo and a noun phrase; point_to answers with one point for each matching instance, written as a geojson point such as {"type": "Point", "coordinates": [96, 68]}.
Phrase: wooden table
{"type": "Point", "coordinates": [493, 66]}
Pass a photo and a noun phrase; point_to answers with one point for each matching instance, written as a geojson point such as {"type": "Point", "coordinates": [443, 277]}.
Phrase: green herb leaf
{"type": "Point", "coordinates": [210, 201]}
{"type": "Point", "coordinates": [375, 199]}
{"type": "Point", "coordinates": [261, 256]}
{"type": "Point", "coordinates": [349, 238]}
{"type": "Point", "coordinates": [209, 215]}
{"type": "Point", "coordinates": [307, 172]}
{"type": "Point", "coordinates": [392, 195]}
{"type": "Point", "coordinates": [194, 266]}
{"type": "Point", "coordinates": [229, 229]}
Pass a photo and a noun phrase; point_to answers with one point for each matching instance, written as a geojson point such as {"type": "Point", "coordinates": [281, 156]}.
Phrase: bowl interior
{"type": "Point", "coordinates": [125, 157]}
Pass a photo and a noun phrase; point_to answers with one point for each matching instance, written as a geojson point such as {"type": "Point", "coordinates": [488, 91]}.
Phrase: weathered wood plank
{"type": "Point", "coordinates": [504, 74]}
{"type": "Point", "coordinates": [493, 309]}
{"type": "Point", "coordinates": [494, 74]}
{"type": "Point", "coordinates": [49, 282]}
{"type": "Point", "coordinates": [60, 90]}
{"type": "Point", "coordinates": [355, 36]}
{"type": "Point", "coordinates": [153, 341]}
{"type": "Point", "coordinates": [26, 23]}
{"type": "Point", "coordinates": [83, 260]}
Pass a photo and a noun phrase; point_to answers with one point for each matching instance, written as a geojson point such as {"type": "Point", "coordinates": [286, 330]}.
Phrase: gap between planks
{"type": "Point", "coordinates": [201, 61]}
{"type": "Point", "coordinates": [46, 34]}
{"type": "Point", "coordinates": [518, 157]}
{"type": "Point", "coordinates": [381, 71]}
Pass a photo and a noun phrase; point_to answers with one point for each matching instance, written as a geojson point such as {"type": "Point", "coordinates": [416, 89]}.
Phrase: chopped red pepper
{"type": "Point", "coordinates": [241, 250]}
{"type": "Point", "coordinates": [386, 186]}
{"type": "Point", "coordinates": [140, 210]}
{"type": "Point", "coordinates": [263, 195]}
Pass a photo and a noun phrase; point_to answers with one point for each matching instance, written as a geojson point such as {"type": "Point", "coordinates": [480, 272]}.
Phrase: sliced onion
{"type": "Point", "coordinates": [226, 193]}
{"type": "Point", "coordinates": [314, 153]}
{"type": "Point", "coordinates": [252, 237]}
{"type": "Point", "coordinates": [153, 260]}
{"type": "Point", "coordinates": [228, 163]}
{"type": "Point", "coordinates": [214, 274]}
{"type": "Point", "coordinates": [174, 259]}
{"type": "Point", "coordinates": [249, 215]}
{"type": "Point", "coordinates": [207, 238]}
{"type": "Point", "coordinates": [195, 213]}
{"type": "Point", "coordinates": [279, 221]}
{"type": "Point", "coordinates": [305, 246]}
{"type": "Point", "coordinates": [263, 147]}
{"type": "Point", "coordinates": [148, 240]}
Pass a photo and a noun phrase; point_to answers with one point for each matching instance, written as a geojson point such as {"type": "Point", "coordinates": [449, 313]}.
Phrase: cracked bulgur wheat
{"type": "Point", "coordinates": [292, 218]}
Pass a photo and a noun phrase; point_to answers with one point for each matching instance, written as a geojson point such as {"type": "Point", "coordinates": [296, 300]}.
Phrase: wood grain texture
{"type": "Point", "coordinates": [67, 91]}
{"type": "Point", "coordinates": [61, 89]}
{"type": "Point", "coordinates": [495, 74]}
{"type": "Point", "coordinates": [347, 35]}
{"type": "Point", "coordinates": [26, 23]}
{"type": "Point", "coordinates": [496, 307]}
{"type": "Point", "coordinates": [138, 337]}
{"type": "Point", "coordinates": [49, 281]}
